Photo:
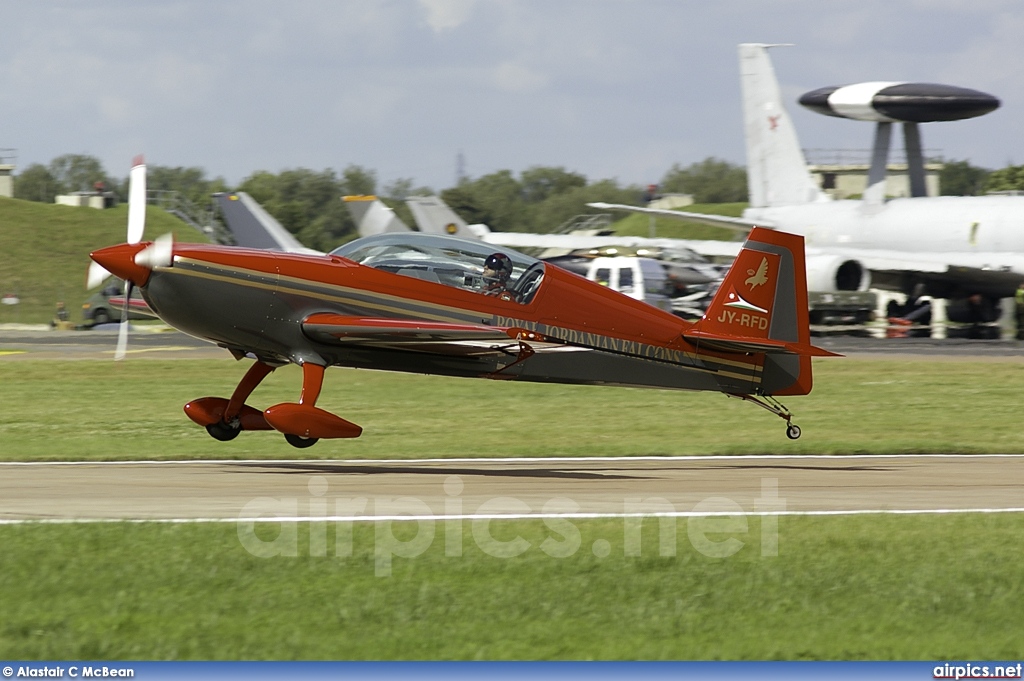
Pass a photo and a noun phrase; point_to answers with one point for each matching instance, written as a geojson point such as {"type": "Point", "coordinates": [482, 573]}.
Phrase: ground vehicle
{"type": "Point", "coordinates": [639, 278]}
{"type": "Point", "coordinates": [106, 305]}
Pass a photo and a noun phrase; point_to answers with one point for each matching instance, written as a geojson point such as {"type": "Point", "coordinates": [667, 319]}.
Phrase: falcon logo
{"type": "Point", "coordinates": [760, 277]}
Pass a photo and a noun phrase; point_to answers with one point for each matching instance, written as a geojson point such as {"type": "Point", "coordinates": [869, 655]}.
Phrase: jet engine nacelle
{"type": "Point", "coordinates": [835, 273]}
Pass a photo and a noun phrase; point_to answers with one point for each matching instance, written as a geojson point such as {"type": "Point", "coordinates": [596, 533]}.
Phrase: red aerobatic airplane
{"type": "Point", "coordinates": [439, 305]}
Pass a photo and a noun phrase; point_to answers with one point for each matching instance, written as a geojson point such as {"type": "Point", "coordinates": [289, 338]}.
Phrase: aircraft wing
{"type": "Point", "coordinates": [408, 334]}
{"type": "Point", "coordinates": [740, 225]}
{"type": "Point", "coordinates": [575, 242]}
{"type": "Point", "coordinates": [439, 338]}
{"type": "Point", "coordinates": [996, 274]}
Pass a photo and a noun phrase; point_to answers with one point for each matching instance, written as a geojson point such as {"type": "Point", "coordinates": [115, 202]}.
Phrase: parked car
{"type": "Point", "coordinates": [106, 305]}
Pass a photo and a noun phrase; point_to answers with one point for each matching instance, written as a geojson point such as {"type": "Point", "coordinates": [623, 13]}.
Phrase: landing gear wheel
{"type": "Point", "coordinates": [793, 431]}
{"type": "Point", "coordinates": [222, 431]}
{"type": "Point", "coordinates": [299, 441]}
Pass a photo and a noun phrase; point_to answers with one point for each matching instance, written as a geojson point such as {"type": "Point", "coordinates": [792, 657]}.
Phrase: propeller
{"type": "Point", "coordinates": [132, 261]}
{"type": "Point", "coordinates": [136, 219]}
{"type": "Point", "coordinates": [97, 275]}
{"type": "Point", "coordinates": [136, 226]}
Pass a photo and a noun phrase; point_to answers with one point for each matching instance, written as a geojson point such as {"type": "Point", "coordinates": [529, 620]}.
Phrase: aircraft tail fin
{"type": "Point", "coordinates": [372, 216]}
{"type": "Point", "coordinates": [761, 307]}
{"type": "Point", "coordinates": [251, 226]}
{"type": "Point", "coordinates": [777, 173]}
{"type": "Point", "coordinates": [433, 216]}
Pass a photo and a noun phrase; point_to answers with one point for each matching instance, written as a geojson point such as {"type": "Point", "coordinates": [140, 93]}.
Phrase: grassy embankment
{"type": "Point", "coordinates": [45, 252]}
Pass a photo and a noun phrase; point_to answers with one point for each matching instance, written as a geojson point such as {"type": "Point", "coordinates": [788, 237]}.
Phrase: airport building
{"type": "Point", "coordinates": [7, 158]}
{"type": "Point", "coordinates": [843, 173]}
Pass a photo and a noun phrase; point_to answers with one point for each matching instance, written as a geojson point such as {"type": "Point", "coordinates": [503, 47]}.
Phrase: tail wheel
{"type": "Point", "coordinates": [222, 431]}
{"type": "Point", "coordinates": [299, 441]}
{"type": "Point", "coordinates": [793, 431]}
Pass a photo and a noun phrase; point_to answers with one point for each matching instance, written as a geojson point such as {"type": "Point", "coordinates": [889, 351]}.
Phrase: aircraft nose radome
{"type": "Point", "coordinates": [120, 261]}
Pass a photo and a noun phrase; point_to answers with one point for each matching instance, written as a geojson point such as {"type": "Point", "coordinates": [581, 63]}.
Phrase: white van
{"type": "Point", "coordinates": [640, 278]}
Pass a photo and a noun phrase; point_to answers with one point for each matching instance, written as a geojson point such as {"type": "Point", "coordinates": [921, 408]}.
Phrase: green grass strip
{"type": "Point", "coordinates": [879, 587]}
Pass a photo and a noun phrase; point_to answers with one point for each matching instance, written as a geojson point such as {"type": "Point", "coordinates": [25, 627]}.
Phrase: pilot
{"type": "Point", "coordinates": [497, 271]}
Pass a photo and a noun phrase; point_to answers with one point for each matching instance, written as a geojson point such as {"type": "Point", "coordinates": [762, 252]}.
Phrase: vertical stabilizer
{"type": "Point", "coordinates": [251, 226]}
{"type": "Point", "coordinates": [761, 307]}
{"type": "Point", "coordinates": [372, 216]}
{"type": "Point", "coordinates": [777, 172]}
{"type": "Point", "coordinates": [433, 216]}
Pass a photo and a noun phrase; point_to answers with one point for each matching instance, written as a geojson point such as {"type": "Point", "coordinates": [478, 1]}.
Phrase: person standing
{"type": "Point", "coordinates": [1018, 298]}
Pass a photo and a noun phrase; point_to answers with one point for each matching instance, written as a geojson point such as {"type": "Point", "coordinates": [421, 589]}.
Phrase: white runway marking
{"type": "Point", "coordinates": [537, 459]}
{"type": "Point", "coordinates": [499, 516]}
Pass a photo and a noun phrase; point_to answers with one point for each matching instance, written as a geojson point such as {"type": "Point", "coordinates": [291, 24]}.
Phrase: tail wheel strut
{"type": "Point", "coordinates": [774, 406]}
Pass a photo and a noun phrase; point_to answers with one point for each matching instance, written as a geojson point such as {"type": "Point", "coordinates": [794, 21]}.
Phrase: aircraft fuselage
{"type": "Point", "coordinates": [255, 302]}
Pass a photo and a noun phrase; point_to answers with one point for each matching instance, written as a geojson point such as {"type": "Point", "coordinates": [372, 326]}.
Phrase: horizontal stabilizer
{"type": "Point", "coordinates": [727, 343]}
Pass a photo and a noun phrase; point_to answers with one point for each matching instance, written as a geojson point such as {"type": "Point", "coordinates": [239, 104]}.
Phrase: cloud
{"type": "Point", "coordinates": [444, 15]}
{"type": "Point", "coordinates": [514, 77]}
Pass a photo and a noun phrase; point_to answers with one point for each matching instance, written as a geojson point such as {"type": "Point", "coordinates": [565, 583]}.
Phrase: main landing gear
{"type": "Point", "coordinates": [302, 424]}
{"type": "Point", "coordinates": [774, 406]}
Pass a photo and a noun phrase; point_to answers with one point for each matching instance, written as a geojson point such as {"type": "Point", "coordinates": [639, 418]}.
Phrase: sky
{"type": "Point", "coordinates": [619, 89]}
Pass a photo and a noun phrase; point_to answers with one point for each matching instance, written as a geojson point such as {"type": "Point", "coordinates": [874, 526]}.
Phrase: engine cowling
{"type": "Point", "coordinates": [835, 273]}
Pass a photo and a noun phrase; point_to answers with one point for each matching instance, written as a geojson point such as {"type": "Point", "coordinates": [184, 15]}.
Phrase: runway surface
{"type": "Point", "coordinates": [100, 344]}
{"type": "Point", "coordinates": [230, 490]}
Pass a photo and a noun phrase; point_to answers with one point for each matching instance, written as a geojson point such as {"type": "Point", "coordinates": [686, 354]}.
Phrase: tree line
{"type": "Point", "coordinates": [306, 202]}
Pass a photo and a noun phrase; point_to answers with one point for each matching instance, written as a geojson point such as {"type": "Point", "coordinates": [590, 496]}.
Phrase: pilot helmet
{"type": "Point", "coordinates": [497, 267]}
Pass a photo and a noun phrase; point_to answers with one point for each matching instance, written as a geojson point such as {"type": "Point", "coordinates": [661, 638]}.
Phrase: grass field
{"type": "Point", "coordinates": [911, 587]}
{"type": "Point", "coordinates": [101, 410]}
{"type": "Point", "coordinates": [46, 252]}
{"type": "Point", "coordinates": [859, 587]}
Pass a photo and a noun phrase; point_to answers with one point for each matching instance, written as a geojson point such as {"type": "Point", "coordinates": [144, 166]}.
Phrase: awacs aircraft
{"type": "Point", "coordinates": [441, 305]}
{"type": "Point", "coordinates": [965, 249]}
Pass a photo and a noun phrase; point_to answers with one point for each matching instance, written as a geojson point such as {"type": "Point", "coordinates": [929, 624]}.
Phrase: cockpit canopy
{"type": "Point", "coordinates": [445, 260]}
